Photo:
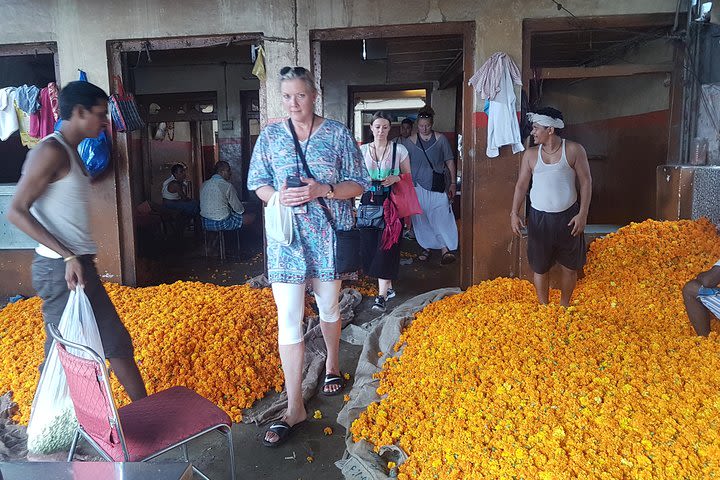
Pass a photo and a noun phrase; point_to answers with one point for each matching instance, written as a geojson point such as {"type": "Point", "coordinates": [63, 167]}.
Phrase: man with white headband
{"type": "Point", "coordinates": [556, 217]}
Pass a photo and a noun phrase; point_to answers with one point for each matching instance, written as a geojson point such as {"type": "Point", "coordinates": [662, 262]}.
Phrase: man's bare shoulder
{"type": "Point", "coordinates": [48, 155]}
{"type": "Point", "coordinates": [573, 147]}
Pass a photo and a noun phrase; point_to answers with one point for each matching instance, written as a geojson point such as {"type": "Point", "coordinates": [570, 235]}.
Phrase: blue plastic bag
{"type": "Point", "coordinates": [95, 153]}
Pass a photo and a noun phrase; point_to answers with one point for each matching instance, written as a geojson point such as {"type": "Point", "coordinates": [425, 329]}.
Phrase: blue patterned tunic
{"type": "Point", "coordinates": [333, 157]}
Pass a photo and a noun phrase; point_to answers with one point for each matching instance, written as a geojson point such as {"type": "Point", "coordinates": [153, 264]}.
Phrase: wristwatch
{"type": "Point", "coordinates": [331, 192]}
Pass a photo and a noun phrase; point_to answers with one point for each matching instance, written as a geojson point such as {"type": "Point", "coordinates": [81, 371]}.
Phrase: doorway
{"type": "Point", "coordinates": [201, 105]}
{"type": "Point", "coordinates": [400, 68]}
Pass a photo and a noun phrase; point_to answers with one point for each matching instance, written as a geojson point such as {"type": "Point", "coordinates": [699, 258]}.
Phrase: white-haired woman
{"type": "Point", "coordinates": [334, 160]}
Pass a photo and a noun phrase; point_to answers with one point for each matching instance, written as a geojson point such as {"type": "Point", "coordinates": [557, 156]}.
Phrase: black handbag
{"type": "Point", "coordinates": [370, 216]}
{"type": "Point", "coordinates": [438, 179]}
{"type": "Point", "coordinates": [347, 242]}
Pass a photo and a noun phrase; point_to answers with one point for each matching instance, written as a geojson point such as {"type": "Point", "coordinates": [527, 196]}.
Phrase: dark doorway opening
{"type": "Point", "coordinates": [400, 68]}
{"type": "Point", "coordinates": [201, 105]}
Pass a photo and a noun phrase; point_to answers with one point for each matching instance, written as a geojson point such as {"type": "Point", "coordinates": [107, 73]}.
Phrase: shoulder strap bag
{"type": "Point", "coordinates": [347, 242]}
{"type": "Point", "coordinates": [438, 179]}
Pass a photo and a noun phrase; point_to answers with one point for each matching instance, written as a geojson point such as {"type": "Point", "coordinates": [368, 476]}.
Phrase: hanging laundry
{"type": "Point", "coordinates": [24, 123]}
{"type": "Point", "coordinates": [42, 122]}
{"type": "Point", "coordinates": [27, 98]}
{"type": "Point", "coordinates": [494, 81]}
{"type": "Point", "coordinates": [8, 116]}
{"type": "Point", "coordinates": [489, 77]}
{"type": "Point", "coordinates": [53, 94]}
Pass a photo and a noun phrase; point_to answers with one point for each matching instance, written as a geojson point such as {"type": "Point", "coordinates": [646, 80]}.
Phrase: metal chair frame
{"type": "Point", "coordinates": [114, 419]}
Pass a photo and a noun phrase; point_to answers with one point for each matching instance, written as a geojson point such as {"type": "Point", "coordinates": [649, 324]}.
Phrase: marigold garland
{"type": "Point", "coordinates": [492, 385]}
{"type": "Point", "coordinates": [218, 341]}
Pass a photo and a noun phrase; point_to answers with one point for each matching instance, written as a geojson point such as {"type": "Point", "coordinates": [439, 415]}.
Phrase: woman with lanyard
{"type": "Point", "coordinates": [327, 153]}
{"type": "Point", "coordinates": [385, 161]}
{"type": "Point", "coordinates": [431, 157]}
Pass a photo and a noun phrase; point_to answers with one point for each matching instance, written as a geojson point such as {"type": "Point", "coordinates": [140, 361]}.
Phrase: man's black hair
{"type": "Point", "coordinates": [176, 168]}
{"type": "Point", "coordinates": [221, 165]}
{"type": "Point", "coordinates": [408, 121]}
{"type": "Point", "coordinates": [550, 112]}
{"type": "Point", "coordinates": [79, 93]}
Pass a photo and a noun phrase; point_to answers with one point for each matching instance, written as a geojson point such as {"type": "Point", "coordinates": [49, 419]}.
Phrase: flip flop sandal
{"type": "Point", "coordinates": [424, 255]}
{"type": "Point", "coordinates": [282, 430]}
{"type": "Point", "coordinates": [332, 379]}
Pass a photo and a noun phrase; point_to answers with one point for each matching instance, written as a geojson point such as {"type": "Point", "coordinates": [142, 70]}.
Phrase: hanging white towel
{"type": "Point", "coordinates": [488, 79]}
{"type": "Point", "coordinates": [8, 116]}
{"type": "Point", "coordinates": [503, 128]}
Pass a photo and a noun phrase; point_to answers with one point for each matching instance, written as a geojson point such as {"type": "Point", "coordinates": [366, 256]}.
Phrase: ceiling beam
{"type": "Point", "coordinates": [621, 70]}
{"type": "Point", "coordinates": [451, 73]}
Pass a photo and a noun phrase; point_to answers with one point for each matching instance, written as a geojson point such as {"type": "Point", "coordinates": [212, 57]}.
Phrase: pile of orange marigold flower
{"type": "Point", "coordinates": [219, 341]}
{"type": "Point", "coordinates": [492, 385]}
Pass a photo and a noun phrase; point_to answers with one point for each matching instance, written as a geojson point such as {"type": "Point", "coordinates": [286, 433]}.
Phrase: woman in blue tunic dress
{"type": "Point", "coordinates": [276, 167]}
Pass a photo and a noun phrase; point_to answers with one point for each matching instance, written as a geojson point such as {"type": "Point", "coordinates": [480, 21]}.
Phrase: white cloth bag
{"type": "Point", "coordinates": [278, 221]}
{"type": "Point", "coordinates": [52, 418]}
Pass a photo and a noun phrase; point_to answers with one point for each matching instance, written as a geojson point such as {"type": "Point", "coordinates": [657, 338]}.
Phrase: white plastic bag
{"type": "Point", "coordinates": [278, 221]}
{"type": "Point", "coordinates": [52, 418]}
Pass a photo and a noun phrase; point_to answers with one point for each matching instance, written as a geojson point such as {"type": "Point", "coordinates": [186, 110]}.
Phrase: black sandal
{"type": "Point", "coordinates": [282, 430]}
{"type": "Point", "coordinates": [447, 258]}
{"type": "Point", "coordinates": [424, 255]}
{"type": "Point", "coordinates": [332, 379]}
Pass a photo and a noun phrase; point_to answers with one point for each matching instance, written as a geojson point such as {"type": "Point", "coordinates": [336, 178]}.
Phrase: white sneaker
{"type": "Point", "coordinates": [390, 294]}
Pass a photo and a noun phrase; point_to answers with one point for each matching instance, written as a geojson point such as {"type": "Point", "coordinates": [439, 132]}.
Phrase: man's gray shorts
{"type": "Point", "coordinates": [48, 279]}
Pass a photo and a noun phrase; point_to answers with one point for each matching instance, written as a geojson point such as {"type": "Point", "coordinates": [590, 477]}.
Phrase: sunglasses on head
{"type": "Point", "coordinates": [424, 115]}
{"type": "Point", "coordinates": [294, 70]}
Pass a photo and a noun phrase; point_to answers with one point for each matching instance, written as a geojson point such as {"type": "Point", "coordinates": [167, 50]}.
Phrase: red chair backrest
{"type": "Point", "coordinates": [92, 407]}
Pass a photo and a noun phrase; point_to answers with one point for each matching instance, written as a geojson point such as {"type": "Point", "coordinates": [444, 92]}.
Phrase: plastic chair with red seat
{"type": "Point", "coordinates": [142, 430]}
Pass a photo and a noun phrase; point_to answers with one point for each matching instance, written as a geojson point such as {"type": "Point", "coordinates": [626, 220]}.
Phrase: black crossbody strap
{"type": "Point", "coordinates": [392, 169]}
{"type": "Point", "coordinates": [419, 141]}
{"type": "Point", "coordinates": [301, 154]}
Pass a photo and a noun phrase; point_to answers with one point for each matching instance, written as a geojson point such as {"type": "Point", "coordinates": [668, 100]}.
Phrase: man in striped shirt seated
{"type": "Point", "coordinates": [702, 295]}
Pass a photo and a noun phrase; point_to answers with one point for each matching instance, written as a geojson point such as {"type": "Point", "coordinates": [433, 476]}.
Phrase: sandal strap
{"type": "Point", "coordinates": [277, 426]}
{"type": "Point", "coordinates": [331, 379]}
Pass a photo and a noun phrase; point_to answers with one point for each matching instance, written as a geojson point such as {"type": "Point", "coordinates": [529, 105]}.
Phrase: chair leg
{"type": "Point", "coordinates": [73, 446]}
{"type": "Point", "coordinates": [231, 453]}
{"type": "Point", "coordinates": [205, 242]}
{"type": "Point", "coordinates": [221, 239]}
{"type": "Point", "coordinates": [185, 452]}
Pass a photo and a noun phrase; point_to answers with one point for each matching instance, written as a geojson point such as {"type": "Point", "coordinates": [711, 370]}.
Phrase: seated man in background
{"type": "Point", "coordinates": [702, 297]}
{"type": "Point", "coordinates": [220, 207]}
{"type": "Point", "coordinates": [174, 192]}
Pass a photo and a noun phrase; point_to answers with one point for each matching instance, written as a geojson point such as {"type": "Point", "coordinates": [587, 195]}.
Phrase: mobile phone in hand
{"type": "Point", "coordinates": [294, 181]}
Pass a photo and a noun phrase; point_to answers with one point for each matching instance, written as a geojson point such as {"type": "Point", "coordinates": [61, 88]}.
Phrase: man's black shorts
{"type": "Point", "coordinates": [48, 278]}
{"type": "Point", "coordinates": [550, 240]}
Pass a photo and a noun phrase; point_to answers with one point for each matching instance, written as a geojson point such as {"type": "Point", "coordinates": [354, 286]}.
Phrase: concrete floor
{"type": "Point", "coordinates": [289, 461]}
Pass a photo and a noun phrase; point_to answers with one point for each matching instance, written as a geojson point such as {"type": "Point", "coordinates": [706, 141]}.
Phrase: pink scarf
{"type": "Point", "coordinates": [393, 226]}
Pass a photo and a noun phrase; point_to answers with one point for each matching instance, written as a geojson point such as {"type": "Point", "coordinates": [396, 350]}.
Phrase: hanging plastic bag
{"type": "Point", "coordinates": [52, 418]}
{"type": "Point", "coordinates": [95, 153]}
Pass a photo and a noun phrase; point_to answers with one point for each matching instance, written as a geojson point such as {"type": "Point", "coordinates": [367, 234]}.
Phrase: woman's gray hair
{"type": "Point", "coordinates": [298, 73]}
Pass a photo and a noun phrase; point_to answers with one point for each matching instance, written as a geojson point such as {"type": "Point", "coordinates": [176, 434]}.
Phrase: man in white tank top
{"type": "Point", "coordinates": [555, 219]}
{"type": "Point", "coordinates": [51, 206]}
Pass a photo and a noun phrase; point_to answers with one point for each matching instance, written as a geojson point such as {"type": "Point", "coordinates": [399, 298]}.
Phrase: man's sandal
{"type": "Point", "coordinates": [424, 255]}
